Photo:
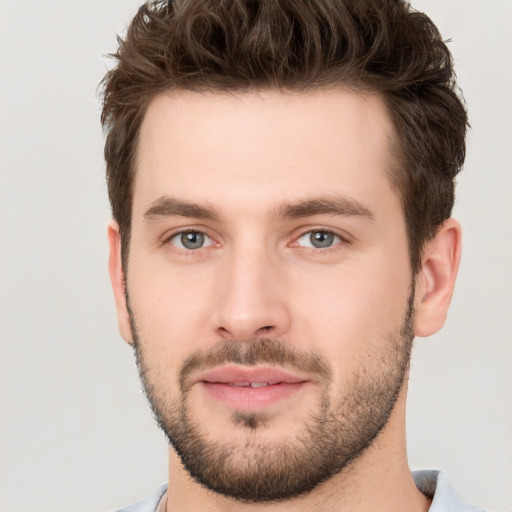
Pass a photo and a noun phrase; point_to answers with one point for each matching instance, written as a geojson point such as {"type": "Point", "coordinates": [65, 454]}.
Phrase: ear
{"type": "Point", "coordinates": [436, 279]}
{"type": "Point", "coordinates": [117, 278]}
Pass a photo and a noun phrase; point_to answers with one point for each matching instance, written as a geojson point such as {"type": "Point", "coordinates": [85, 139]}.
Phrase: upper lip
{"type": "Point", "coordinates": [231, 374]}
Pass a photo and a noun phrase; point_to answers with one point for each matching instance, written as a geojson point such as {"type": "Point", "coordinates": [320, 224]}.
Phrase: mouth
{"type": "Point", "coordinates": [250, 389]}
{"type": "Point", "coordinates": [251, 384]}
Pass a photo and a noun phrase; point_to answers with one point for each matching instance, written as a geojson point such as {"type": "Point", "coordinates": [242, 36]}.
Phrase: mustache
{"type": "Point", "coordinates": [262, 351]}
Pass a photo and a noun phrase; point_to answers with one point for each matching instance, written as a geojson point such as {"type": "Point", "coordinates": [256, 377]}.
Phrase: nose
{"type": "Point", "coordinates": [252, 301]}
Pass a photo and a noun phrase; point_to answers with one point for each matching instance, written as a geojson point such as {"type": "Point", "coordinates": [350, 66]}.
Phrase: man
{"type": "Point", "coordinates": [281, 175]}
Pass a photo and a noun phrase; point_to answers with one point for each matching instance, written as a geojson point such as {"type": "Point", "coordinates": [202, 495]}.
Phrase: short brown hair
{"type": "Point", "coordinates": [381, 46]}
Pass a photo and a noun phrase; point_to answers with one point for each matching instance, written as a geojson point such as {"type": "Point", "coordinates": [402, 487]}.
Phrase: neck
{"type": "Point", "coordinates": [378, 480]}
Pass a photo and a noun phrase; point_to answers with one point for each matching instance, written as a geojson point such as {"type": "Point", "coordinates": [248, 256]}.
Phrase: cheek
{"type": "Point", "coordinates": [351, 312]}
{"type": "Point", "coordinates": [170, 310]}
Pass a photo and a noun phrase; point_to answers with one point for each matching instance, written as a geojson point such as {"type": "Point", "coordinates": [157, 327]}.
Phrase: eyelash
{"type": "Point", "coordinates": [175, 235]}
{"type": "Point", "coordinates": [317, 250]}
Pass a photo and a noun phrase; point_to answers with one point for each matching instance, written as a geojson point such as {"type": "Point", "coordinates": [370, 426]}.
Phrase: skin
{"type": "Point", "coordinates": [244, 156]}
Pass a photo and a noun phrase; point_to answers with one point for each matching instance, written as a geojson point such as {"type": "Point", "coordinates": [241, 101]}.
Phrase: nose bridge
{"type": "Point", "coordinates": [252, 303]}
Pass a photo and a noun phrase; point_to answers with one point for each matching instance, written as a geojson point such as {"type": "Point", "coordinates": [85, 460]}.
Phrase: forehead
{"type": "Point", "coordinates": [263, 147]}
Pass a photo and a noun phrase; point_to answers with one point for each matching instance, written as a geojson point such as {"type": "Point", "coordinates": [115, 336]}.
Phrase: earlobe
{"type": "Point", "coordinates": [436, 278]}
{"type": "Point", "coordinates": [117, 279]}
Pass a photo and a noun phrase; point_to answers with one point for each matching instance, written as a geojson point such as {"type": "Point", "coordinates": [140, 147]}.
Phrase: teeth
{"type": "Point", "coordinates": [249, 384]}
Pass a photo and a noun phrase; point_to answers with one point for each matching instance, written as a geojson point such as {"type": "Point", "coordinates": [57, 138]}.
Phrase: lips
{"type": "Point", "coordinates": [242, 375]}
{"type": "Point", "coordinates": [243, 388]}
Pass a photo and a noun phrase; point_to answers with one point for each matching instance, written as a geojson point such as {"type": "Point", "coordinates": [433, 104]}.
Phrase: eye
{"type": "Point", "coordinates": [190, 240]}
{"type": "Point", "coordinates": [319, 239]}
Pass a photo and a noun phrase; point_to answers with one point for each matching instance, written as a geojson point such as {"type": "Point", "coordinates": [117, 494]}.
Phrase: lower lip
{"type": "Point", "coordinates": [247, 398]}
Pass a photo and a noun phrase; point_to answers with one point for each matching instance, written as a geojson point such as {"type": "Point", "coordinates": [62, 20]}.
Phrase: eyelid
{"type": "Point", "coordinates": [207, 241]}
{"type": "Point", "coordinates": [343, 237]}
{"type": "Point", "coordinates": [176, 232]}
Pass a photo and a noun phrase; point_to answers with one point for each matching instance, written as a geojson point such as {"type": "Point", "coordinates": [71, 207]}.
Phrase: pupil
{"type": "Point", "coordinates": [192, 240]}
{"type": "Point", "coordinates": [321, 239]}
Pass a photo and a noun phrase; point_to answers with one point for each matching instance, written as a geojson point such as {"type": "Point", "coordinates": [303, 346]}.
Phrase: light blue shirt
{"type": "Point", "coordinates": [435, 484]}
{"type": "Point", "coordinates": [432, 483]}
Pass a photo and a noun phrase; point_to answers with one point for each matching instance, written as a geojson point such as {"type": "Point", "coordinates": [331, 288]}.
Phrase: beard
{"type": "Point", "coordinates": [252, 469]}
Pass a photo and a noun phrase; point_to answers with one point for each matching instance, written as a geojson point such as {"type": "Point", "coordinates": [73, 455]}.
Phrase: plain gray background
{"type": "Point", "coordinates": [75, 431]}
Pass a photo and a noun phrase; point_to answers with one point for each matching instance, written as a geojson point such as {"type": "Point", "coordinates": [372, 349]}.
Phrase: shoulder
{"type": "Point", "coordinates": [436, 485]}
{"type": "Point", "coordinates": [149, 504]}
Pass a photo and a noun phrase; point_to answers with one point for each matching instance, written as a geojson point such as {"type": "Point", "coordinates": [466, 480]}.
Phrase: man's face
{"type": "Point", "coordinates": [269, 283]}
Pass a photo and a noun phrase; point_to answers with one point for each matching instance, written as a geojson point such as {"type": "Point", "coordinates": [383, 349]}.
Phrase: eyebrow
{"type": "Point", "coordinates": [167, 206]}
{"type": "Point", "coordinates": [337, 205]}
